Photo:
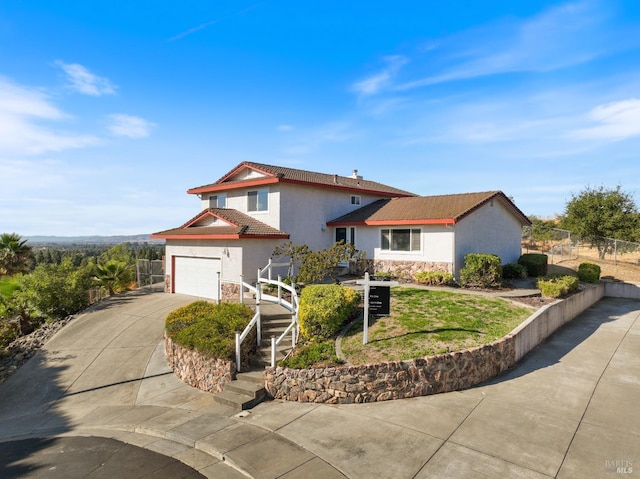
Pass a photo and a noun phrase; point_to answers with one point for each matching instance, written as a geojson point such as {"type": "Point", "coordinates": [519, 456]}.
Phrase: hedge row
{"type": "Point", "coordinates": [209, 328]}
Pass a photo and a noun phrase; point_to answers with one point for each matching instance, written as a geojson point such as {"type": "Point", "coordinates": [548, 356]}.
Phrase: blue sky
{"type": "Point", "coordinates": [111, 110]}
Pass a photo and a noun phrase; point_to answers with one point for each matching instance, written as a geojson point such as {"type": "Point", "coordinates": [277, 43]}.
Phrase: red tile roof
{"type": "Point", "coordinates": [238, 225]}
{"type": "Point", "coordinates": [279, 174]}
{"type": "Point", "coordinates": [443, 209]}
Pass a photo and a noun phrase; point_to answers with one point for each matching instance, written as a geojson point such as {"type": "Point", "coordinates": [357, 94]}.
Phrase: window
{"type": "Point", "coordinates": [400, 239]}
{"type": "Point", "coordinates": [341, 235]}
{"type": "Point", "coordinates": [258, 200]}
{"type": "Point", "coordinates": [218, 201]}
{"type": "Point", "coordinates": [355, 200]}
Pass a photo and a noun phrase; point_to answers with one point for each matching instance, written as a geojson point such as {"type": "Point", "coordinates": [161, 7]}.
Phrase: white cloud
{"type": "Point", "coordinates": [130, 126]}
{"type": "Point", "coordinates": [562, 36]}
{"type": "Point", "coordinates": [380, 80]}
{"type": "Point", "coordinates": [616, 121]}
{"type": "Point", "coordinates": [85, 82]}
{"type": "Point", "coordinates": [285, 127]}
{"type": "Point", "coordinates": [22, 111]}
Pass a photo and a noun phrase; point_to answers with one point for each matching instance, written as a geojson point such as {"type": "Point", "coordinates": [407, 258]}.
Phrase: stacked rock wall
{"type": "Point", "coordinates": [392, 380]}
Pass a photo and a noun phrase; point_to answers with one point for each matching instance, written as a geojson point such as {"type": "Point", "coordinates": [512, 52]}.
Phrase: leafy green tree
{"type": "Point", "coordinates": [52, 291]}
{"type": "Point", "coordinates": [122, 252]}
{"type": "Point", "coordinates": [596, 214]}
{"type": "Point", "coordinates": [113, 275]}
{"type": "Point", "coordinates": [15, 255]}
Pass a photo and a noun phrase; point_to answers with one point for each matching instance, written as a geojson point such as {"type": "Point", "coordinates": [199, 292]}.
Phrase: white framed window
{"type": "Point", "coordinates": [218, 201]}
{"type": "Point", "coordinates": [258, 200]}
{"type": "Point", "coordinates": [400, 239]}
{"type": "Point", "coordinates": [355, 200]}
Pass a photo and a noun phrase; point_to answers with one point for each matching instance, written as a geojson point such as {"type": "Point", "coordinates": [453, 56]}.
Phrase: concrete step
{"type": "Point", "coordinates": [262, 358]}
{"type": "Point", "coordinates": [246, 391]}
{"type": "Point", "coordinates": [245, 388]}
{"type": "Point", "coordinates": [282, 322]}
{"type": "Point", "coordinates": [235, 400]}
{"type": "Point", "coordinates": [255, 376]}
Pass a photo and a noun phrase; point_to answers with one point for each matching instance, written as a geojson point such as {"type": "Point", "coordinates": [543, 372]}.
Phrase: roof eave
{"type": "Point", "coordinates": [171, 236]}
{"type": "Point", "coordinates": [391, 222]}
{"type": "Point", "coordinates": [233, 186]}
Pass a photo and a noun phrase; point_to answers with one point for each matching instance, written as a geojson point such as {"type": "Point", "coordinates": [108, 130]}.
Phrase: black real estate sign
{"type": "Point", "coordinates": [379, 300]}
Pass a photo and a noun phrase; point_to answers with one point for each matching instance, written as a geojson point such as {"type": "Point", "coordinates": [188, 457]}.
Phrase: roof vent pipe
{"type": "Point", "coordinates": [335, 179]}
{"type": "Point", "coordinates": [355, 175]}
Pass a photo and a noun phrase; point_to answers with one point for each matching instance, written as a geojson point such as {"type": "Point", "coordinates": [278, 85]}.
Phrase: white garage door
{"type": "Point", "coordinates": [196, 276]}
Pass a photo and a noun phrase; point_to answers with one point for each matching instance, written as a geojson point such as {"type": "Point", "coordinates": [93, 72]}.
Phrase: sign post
{"type": "Point", "coordinates": [376, 300]}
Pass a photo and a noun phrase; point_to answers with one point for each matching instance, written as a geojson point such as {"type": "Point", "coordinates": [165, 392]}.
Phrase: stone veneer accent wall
{"type": "Point", "coordinates": [392, 380]}
{"type": "Point", "coordinates": [406, 270]}
{"type": "Point", "coordinates": [230, 291]}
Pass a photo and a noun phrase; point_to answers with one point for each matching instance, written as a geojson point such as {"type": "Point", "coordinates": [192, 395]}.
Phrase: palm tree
{"type": "Point", "coordinates": [15, 255]}
{"type": "Point", "coordinates": [112, 275]}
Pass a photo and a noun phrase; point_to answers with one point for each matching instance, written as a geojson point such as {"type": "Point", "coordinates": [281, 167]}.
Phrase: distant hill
{"type": "Point", "coordinates": [117, 239]}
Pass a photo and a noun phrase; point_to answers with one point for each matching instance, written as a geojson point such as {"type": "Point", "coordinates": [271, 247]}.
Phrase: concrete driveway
{"type": "Point", "coordinates": [569, 409]}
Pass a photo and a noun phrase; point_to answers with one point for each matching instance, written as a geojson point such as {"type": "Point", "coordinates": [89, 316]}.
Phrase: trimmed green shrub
{"type": "Point", "coordinates": [535, 263]}
{"type": "Point", "coordinates": [435, 278]}
{"type": "Point", "coordinates": [589, 272]}
{"type": "Point", "coordinates": [481, 270]}
{"type": "Point", "coordinates": [514, 271]}
{"type": "Point", "coordinates": [209, 328]}
{"type": "Point", "coordinates": [557, 286]}
{"type": "Point", "coordinates": [324, 309]}
{"type": "Point", "coordinates": [312, 354]}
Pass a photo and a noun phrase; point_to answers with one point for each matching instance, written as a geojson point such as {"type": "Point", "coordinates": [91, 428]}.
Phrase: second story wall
{"type": "Point", "coordinates": [300, 210]}
{"type": "Point", "coordinates": [305, 211]}
{"type": "Point", "coordinates": [239, 200]}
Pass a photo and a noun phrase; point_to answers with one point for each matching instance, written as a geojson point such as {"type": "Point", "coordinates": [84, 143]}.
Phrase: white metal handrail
{"type": "Point", "coordinates": [293, 329]}
{"type": "Point", "coordinates": [292, 306]}
{"type": "Point", "coordinates": [254, 321]}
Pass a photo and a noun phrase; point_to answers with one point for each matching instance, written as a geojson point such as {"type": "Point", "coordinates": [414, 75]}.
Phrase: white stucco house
{"type": "Point", "coordinates": [253, 208]}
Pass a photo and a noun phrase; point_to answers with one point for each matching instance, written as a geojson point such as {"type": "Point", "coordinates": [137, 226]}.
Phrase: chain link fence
{"type": "Point", "coordinates": [561, 245]}
{"type": "Point", "coordinates": [149, 272]}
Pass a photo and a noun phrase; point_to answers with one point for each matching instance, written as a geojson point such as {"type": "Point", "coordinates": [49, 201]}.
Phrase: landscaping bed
{"type": "Point", "coordinates": [427, 322]}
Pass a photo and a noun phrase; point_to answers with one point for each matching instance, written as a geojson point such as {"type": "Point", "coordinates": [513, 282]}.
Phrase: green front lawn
{"type": "Point", "coordinates": [426, 322]}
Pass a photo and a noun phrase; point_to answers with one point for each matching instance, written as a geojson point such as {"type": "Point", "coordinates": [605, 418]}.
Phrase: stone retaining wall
{"type": "Point", "coordinates": [202, 372]}
{"type": "Point", "coordinates": [434, 374]}
{"type": "Point", "coordinates": [193, 368]}
{"type": "Point", "coordinates": [392, 380]}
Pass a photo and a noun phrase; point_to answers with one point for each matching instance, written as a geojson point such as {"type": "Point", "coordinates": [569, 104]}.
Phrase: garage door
{"type": "Point", "coordinates": [196, 276]}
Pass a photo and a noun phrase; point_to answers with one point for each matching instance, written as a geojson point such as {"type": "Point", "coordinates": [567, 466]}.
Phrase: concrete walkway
{"type": "Point", "coordinates": [569, 409]}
